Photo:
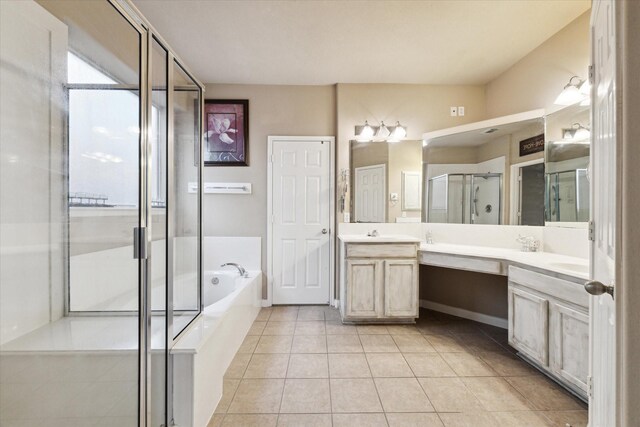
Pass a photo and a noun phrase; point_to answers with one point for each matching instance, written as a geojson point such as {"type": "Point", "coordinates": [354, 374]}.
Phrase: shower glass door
{"type": "Point", "coordinates": [86, 263]}
{"type": "Point", "coordinates": [70, 200]}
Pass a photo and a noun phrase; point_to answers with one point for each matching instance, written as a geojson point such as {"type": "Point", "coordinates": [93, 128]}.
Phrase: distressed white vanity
{"type": "Point", "coordinates": [548, 320]}
{"type": "Point", "coordinates": [378, 278]}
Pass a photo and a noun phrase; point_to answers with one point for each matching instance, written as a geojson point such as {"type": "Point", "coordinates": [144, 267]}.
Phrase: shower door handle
{"type": "Point", "coordinates": [140, 243]}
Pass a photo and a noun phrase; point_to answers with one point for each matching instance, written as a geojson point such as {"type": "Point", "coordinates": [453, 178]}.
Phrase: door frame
{"type": "Point", "coordinates": [385, 196]}
{"type": "Point", "coordinates": [514, 198]}
{"type": "Point", "coordinates": [627, 291]}
{"type": "Point", "coordinates": [332, 210]}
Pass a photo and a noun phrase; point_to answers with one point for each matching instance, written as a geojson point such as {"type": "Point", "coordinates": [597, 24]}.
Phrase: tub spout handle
{"type": "Point", "coordinates": [240, 268]}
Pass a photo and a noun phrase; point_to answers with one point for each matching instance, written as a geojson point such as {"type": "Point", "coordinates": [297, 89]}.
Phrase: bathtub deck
{"type": "Point", "coordinates": [89, 334]}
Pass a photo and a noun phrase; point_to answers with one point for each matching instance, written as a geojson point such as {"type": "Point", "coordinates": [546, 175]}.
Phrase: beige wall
{"type": "Point", "coordinates": [273, 110]}
{"type": "Point", "coordinates": [536, 80]}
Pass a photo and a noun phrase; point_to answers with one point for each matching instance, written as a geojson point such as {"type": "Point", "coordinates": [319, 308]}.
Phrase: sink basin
{"type": "Point", "coordinates": [578, 268]}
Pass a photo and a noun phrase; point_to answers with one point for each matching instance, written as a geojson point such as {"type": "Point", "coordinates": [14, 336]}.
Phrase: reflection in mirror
{"type": "Point", "coordinates": [566, 165]}
{"type": "Point", "coordinates": [386, 180]}
{"type": "Point", "coordinates": [491, 172]}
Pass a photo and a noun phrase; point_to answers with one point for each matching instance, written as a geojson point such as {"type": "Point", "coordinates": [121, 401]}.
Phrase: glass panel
{"type": "Point", "coordinates": [158, 165]}
{"type": "Point", "coordinates": [582, 195]}
{"type": "Point", "coordinates": [438, 199]}
{"type": "Point", "coordinates": [69, 200]}
{"type": "Point", "coordinates": [186, 263]}
{"type": "Point", "coordinates": [486, 199]}
{"type": "Point", "coordinates": [566, 196]}
{"type": "Point", "coordinates": [455, 200]}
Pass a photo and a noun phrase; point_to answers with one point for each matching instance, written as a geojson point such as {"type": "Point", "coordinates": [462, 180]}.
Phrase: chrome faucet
{"type": "Point", "coordinates": [429, 237]}
{"type": "Point", "coordinates": [240, 268]}
{"type": "Point", "coordinates": [529, 243]}
{"type": "Point", "coordinates": [373, 233]}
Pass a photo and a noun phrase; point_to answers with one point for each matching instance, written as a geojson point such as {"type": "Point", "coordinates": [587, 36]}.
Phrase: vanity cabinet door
{"type": "Point", "coordinates": [364, 288]}
{"type": "Point", "coordinates": [528, 324]}
{"type": "Point", "coordinates": [569, 344]}
{"type": "Point", "coordinates": [401, 288]}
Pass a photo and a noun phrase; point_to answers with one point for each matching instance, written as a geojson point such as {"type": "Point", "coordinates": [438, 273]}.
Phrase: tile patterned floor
{"type": "Point", "coordinates": [300, 366]}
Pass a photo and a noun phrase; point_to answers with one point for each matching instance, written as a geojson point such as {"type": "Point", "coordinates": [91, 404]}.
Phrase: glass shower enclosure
{"type": "Point", "coordinates": [567, 195]}
{"type": "Point", "coordinates": [100, 253]}
{"type": "Point", "coordinates": [465, 198]}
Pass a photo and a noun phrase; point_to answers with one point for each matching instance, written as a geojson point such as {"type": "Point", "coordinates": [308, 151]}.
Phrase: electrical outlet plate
{"type": "Point", "coordinates": [454, 111]}
{"type": "Point", "coordinates": [461, 111]}
{"type": "Point", "coordinates": [346, 217]}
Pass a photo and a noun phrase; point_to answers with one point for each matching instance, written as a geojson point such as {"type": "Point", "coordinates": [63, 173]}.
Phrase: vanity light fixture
{"type": "Point", "coordinates": [572, 92]}
{"type": "Point", "coordinates": [368, 133]}
{"type": "Point", "coordinates": [577, 132]}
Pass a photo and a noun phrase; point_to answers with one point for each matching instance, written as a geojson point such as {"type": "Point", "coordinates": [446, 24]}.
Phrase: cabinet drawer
{"type": "Point", "coordinates": [529, 324]}
{"type": "Point", "coordinates": [459, 262]}
{"type": "Point", "coordinates": [382, 250]}
{"type": "Point", "coordinates": [559, 288]}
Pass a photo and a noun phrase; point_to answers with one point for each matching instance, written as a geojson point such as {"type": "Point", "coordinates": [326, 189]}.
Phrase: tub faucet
{"type": "Point", "coordinates": [240, 268]}
{"type": "Point", "coordinates": [373, 233]}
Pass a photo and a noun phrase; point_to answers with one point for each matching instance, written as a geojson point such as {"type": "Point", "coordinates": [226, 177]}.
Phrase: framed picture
{"type": "Point", "coordinates": [226, 132]}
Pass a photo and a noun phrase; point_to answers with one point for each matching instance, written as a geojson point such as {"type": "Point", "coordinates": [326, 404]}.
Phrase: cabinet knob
{"type": "Point", "coordinates": [325, 231]}
{"type": "Point", "coordinates": [598, 288]}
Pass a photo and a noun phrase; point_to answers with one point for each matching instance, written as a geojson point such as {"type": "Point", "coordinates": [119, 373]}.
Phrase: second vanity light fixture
{"type": "Point", "coordinates": [367, 133]}
{"type": "Point", "coordinates": [577, 133]}
{"type": "Point", "coordinates": [577, 90]}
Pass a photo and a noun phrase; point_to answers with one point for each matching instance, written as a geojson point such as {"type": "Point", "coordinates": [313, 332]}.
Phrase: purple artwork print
{"type": "Point", "coordinates": [225, 133]}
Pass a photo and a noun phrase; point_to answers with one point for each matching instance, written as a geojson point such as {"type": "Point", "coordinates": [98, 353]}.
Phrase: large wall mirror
{"type": "Point", "coordinates": [385, 181]}
{"type": "Point", "coordinates": [567, 149]}
{"type": "Point", "coordinates": [490, 172]}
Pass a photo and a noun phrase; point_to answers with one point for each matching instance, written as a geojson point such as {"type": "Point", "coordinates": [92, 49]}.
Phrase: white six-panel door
{"type": "Point", "coordinates": [604, 174]}
{"type": "Point", "coordinates": [370, 194]}
{"type": "Point", "coordinates": [300, 221]}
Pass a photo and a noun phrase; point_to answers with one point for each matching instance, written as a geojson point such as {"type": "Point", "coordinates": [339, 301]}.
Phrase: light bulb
{"type": "Point", "coordinates": [581, 134]}
{"type": "Point", "coordinates": [366, 133]}
{"type": "Point", "coordinates": [585, 88]}
{"type": "Point", "coordinates": [399, 132]}
{"type": "Point", "coordinates": [383, 131]}
{"type": "Point", "coordinates": [569, 96]}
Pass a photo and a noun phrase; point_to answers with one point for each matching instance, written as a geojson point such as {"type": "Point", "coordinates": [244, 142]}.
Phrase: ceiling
{"type": "Point", "coordinates": [325, 42]}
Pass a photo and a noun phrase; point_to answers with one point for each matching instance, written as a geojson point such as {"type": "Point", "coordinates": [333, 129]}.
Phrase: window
{"type": "Point", "coordinates": [104, 140]}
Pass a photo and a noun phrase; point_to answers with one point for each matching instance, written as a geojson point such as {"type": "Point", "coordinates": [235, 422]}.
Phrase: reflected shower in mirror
{"type": "Point", "coordinates": [567, 152]}
{"type": "Point", "coordinates": [386, 181]}
{"type": "Point", "coordinates": [489, 172]}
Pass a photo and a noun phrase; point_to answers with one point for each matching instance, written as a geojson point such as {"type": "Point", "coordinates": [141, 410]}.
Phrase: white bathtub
{"type": "Point", "coordinates": [205, 350]}
{"type": "Point", "coordinates": [228, 283]}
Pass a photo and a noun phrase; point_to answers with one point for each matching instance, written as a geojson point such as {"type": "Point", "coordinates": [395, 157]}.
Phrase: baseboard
{"type": "Point", "coordinates": [266, 303]}
{"type": "Point", "coordinates": [466, 314]}
{"type": "Point", "coordinates": [336, 303]}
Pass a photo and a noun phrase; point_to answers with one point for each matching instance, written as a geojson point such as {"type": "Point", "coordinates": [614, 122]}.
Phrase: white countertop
{"type": "Point", "coordinates": [562, 264]}
{"type": "Point", "coordinates": [384, 238]}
